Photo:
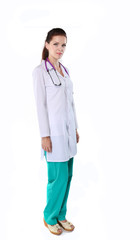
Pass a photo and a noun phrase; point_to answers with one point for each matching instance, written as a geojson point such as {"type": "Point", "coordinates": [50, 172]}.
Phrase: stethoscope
{"type": "Point", "coordinates": [55, 72]}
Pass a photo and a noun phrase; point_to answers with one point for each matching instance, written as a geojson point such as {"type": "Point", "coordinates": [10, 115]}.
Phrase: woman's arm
{"type": "Point", "coordinates": [40, 98]}
{"type": "Point", "coordinates": [73, 105]}
{"type": "Point", "coordinates": [75, 117]}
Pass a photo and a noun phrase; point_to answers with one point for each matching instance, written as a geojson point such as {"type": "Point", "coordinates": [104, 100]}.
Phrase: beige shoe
{"type": "Point", "coordinates": [68, 226]}
{"type": "Point", "coordinates": [53, 228]}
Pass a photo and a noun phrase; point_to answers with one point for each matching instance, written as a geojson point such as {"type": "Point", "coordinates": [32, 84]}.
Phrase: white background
{"type": "Point", "coordinates": [103, 56]}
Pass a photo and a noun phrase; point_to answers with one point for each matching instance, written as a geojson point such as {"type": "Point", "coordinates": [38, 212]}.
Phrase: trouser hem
{"type": "Point", "coordinates": [61, 218]}
{"type": "Point", "coordinates": [50, 222]}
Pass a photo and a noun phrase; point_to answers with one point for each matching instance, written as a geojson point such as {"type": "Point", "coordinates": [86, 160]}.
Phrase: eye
{"type": "Point", "coordinates": [64, 45]}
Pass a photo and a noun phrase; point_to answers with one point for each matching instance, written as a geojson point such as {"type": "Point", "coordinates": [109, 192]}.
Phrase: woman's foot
{"type": "Point", "coordinates": [59, 230]}
{"type": "Point", "coordinates": [55, 229]}
{"type": "Point", "coordinates": [66, 225]}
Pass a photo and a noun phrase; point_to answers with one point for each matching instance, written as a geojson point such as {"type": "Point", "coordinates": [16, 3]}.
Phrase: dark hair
{"type": "Point", "coordinates": [53, 32]}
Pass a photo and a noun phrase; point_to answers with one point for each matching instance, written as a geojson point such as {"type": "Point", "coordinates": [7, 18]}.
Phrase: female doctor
{"type": "Point", "coordinates": [53, 90]}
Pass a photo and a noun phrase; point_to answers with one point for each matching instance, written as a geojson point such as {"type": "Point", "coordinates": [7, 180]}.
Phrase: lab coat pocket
{"type": "Point", "coordinates": [51, 79]}
{"type": "Point", "coordinates": [57, 128]}
{"type": "Point", "coordinates": [53, 90]}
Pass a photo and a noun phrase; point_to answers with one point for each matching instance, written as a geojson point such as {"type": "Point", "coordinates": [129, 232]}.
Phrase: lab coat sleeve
{"type": "Point", "coordinates": [40, 99]}
{"type": "Point", "coordinates": [74, 109]}
{"type": "Point", "coordinates": [75, 117]}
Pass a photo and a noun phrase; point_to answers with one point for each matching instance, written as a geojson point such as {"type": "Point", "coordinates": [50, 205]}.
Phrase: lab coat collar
{"type": "Point", "coordinates": [49, 66]}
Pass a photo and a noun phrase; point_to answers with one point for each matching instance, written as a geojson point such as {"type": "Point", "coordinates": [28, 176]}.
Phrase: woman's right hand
{"type": "Point", "coordinates": [46, 144]}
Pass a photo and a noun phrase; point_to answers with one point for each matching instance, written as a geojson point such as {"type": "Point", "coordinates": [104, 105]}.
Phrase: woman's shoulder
{"type": "Point", "coordinates": [38, 69]}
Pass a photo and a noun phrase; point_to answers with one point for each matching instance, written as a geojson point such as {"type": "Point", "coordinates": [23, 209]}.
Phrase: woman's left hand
{"type": "Point", "coordinates": [77, 136]}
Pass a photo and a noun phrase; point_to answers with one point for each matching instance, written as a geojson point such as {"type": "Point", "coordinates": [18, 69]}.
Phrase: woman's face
{"type": "Point", "coordinates": [57, 46]}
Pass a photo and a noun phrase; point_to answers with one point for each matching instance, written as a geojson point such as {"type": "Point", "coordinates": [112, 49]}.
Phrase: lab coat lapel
{"type": "Point", "coordinates": [50, 68]}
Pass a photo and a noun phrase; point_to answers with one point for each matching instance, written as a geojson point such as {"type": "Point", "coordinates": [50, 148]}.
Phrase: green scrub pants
{"type": "Point", "coordinates": [59, 180]}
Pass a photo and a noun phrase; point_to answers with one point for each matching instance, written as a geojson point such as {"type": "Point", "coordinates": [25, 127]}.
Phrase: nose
{"type": "Point", "coordinates": [60, 49]}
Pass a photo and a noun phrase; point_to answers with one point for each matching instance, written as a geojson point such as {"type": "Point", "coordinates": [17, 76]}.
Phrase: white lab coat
{"type": "Point", "coordinates": [55, 112]}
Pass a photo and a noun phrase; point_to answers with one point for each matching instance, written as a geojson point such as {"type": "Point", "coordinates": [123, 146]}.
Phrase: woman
{"type": "Point", "coordinates": [58, 125]}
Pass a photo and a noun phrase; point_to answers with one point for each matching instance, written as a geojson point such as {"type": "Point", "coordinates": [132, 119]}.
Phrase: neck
{"type": "Point", "coordinates": [54, 62]}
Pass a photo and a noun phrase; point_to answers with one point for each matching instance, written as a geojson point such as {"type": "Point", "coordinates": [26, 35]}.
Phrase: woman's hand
{"type": "Point", "coordinates": [46, 144]}
{"type": "Point", "coordinates": [77, 136]}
